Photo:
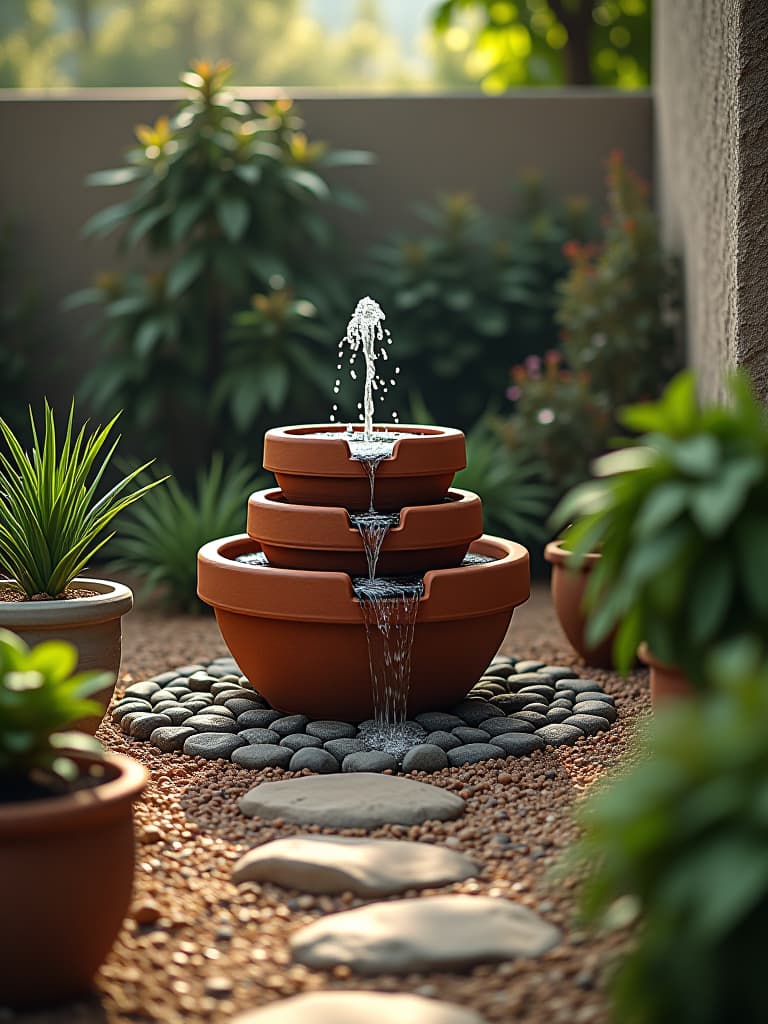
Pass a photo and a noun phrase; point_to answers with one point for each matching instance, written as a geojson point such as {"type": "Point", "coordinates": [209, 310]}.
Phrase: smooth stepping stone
{"type": "Point", "coordinates": [528, 665]}
{"type": "Point", "coordinates": [369, 761]}
{"type": "Point", "coordinates": [429, 934]}
{"type": "Point", "coordinates": [289, 725]}
{"type": "Point", "coordinates": [518, 744]}
{"type": "Point", "coordinates": [170, 737]}
{"type": "Point", "coordinates": [144, 690]}
{"type": "Point", "coordinates": [425, 757]}
{"type": "Point", "coordinates": [440, 738]}
{"type": "Point", "coordinates": [259, 735]}
{"type": "Point", "coordinates": [596, 707]}
{"type": "Point", "coordinates": [212, 745]}
{"type": "Point", "coordinates": [201, 681]}
{"type": "Point", "coordinates": [299, 741]}
{"type": "Point", "coordinates": [577, 685]}
{"type": "Point", "coordinates": [473, 753]}
{"type": "Point", "coordinates": [143, 724]}
{"type": "Point", "coordinates": [502, 726]}
{"type": "Point", "coordinates": [594, 695]}
{"type": "Point", "coordinates": [327, 730]}
{"type": "Point", "coordinates": [589, 724]}
{"type": "Point", "coordinates": [164, 678]}
{"type": "Point", "coordinates": [556, 735]}
{"type": "Point", "coordinates": [316, 760]}
{"type": "Point", "coordinates": [537, 709]}
{"type": "Point", "coordinates": [262, 755]}
{"type": "Point", "coordinates": [473, 712]}
{"type": "Point", "coordinates": [260, 718]}
{"type": "Point", "coordinates": [558, 715]}
{"type": "Point", "coordinates": [438, 721]}
{"type": "Point", "coordinates": [561, 702]}
{"type": "Point", "coordinates": [131, 707]}
{"type": "Point", "coordinates": [210, 723]}
{"type": "Point", "coordinates": [534, 718]}
{"type": "Point", "coordinates": [541, 689]}
{"type": "Point", "coordinates": [556, 672]}
{"type": "Point", "coordinates": [347, 1007]}
{"type": "Point", "coordinates": [469, 735]}
{"type": "Point", "coordinates": [350, 800]}
{"type": "Point", "coordinates": [340, 748]}
{"type": "Point", "coordinates": [491, 688]}
{"type": "Point", "coordinates": [238, 706]}
{"type": "Point", "coordinates": [366, 867]}
{"type": "Point", "coordinates": [178, 715]}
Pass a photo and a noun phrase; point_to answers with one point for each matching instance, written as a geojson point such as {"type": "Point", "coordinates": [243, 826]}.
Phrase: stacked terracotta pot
{"type": "Point", "coordinates": [295, 626]}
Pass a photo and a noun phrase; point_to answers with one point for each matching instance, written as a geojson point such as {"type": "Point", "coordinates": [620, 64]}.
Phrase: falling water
{"type": "Point", "coordinates": [373, 527]}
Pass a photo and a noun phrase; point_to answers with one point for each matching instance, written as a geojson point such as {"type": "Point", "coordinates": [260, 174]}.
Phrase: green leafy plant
{"type": "Point", "coordinates": [39, 698]}
{"type": "Point", "coordinates": [680, 518]}
{"type": "Point", "coordinates": [51, 521]}
{"type": "Point", "coordinates": [676, 845]}
{"type": "Point", "coordinates": [160, 538]}
{"type": "Point", "coordinates": [225, 200]}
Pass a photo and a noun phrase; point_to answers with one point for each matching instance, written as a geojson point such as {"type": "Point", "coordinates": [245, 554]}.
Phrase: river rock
{"type": "Point", "coordinates": [369, 761]}
{"type": "Point", "coordinates": [556, 735]}
{"type": "Point", "coordinates": [589, 724]}
{"type": "Point", "coordinates": [473, 753]}
{"type": "Point", "coordinates": [577, 685]}
{"type": "Point", "coordinates": [315, 759]}
{"type": "Point", "coordinates": [534, 718]}
{"type": "Point", "coordinates": [468, 735]}
{"type": "Point", "coordinates": [340, 748]}
{"type": "Point", "coordinates": [326, 730]}
{"type": "Point", "coordinates": [212, 745]}
{"type": "Point", "coordinates": [594, 695]}
{"type": "Point", "coordinates": [143, 690]}
{"type": "Point", "coordinates": [517, 744]}
{"type": "Point", "coordinates": [170, 737]}
{"type": "Point", "coordinates": [259, 735]}
{"type": "Point", "coordinates": [211, 723]}
{"type": "Point", "coordinates": [500, 726]}
{"type": "Point", "coordinates": [262, 755]}
{"type": "Point", "coordinates": [425, 757]}
{"type": "Point", "coordinates": [131, 706]}
{"type": "Point", "coordinates": [508, 703]}
{"type": "Point", "coordinates": [290, 724]}
{"type": "Point", "coordinates": [299, 741]}
{"type": "Point", "coordinates": [442, 739]}
{"type": "Point", "coordinates": [261, 718]}
{"type": "Point", "coordinates": [558, 715]}
{"type": "Point", "coordinates": [356, 1007]}
{"type": "Point", "coordinates": [438, 721]}
{"type": "Point", "coordinates": [596, 707]}
{"type": "Point", "coordinates": [178, 715]}
{"type": "Point", "coordinates": [556, 672]}
{"type": "Point", "coordinates": [528, 665]}
{"type": "Point", "coordinates": [473, 712]}
{"type": "Point", "coordinates": [144, 724]}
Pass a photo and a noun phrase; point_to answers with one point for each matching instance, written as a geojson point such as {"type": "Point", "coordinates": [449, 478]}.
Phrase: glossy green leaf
{"type": "Point", "coordinates": [185, 272]}
{"type": "Point", "coordinates": [233, 214]}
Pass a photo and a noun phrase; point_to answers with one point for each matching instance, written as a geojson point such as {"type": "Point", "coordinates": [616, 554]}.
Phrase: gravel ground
{"type": "Point", "coordinates": [196, 948]}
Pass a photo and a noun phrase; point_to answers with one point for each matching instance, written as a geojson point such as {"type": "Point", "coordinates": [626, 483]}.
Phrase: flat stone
{"type": "Point", "coordinates": [189, 670]}
{"type": "Point", "coordinates": [558, 715]}
{"type": "Point", "coordinates": [508, 703]}
{"type": "Point", "coordinates": [226, 695]}
{"type": "Point", "coordinates": [165, 705]}
{"type": "Point", "coordinates": [534, 718]}
{"type": "Point", "coordinates": [211, 723]}
{"type": "Point", "coordinates": [212, 745]}
{"type": "Point", "coordinates": [341, 748]}
{"type": "Point", "coordinates": [597, 707]}
{"type": "Point", "coordinates": [556, 735]}
{"type": "Point", "coordinates": [561, 702]}
{"type": "Point", "coordinates": [589, 724]}
{"type": "Point", "coordinates": [289, 724]}
{"type": "Point", "coordinates": [425, 757]}
{"type": "Point", "coordinates": [473, 712]}
{"type": "Point", "coordinates": [518, 744]}
{"type": "Point", "coordinates": [445, 740]}
{"type": "Point", "coordinates": [492, 687]}
{"type": "Point", "coordinates": [556, 672]}
{"type": "Point", "coordinates": [238, 706]}
{"type": "Point", "coordinates": [262, 755]}
{"type": "Point", "coordinates": [316, 760]}
{"type": "Point", "coordinates": [528, 665]}
{"type": "Point", "coordinates": [144, 724]}
{"type": "Point", "coordinates": [468, 735]}
{"type": "Point", "coordinates": [594, 695]}
{"type": "Point", "coordinates": [438, 721]}
{"type": "Point", "coordinates": [345, 1007]}
{"type": "Point", "coordinates": [569, 695]}
{"type": "Point", "coordinates": [144, 690]}
{"type": "Point", "coordinates": [217, 711]}
{"type": "Point", "coordinates": [538, 709]}
{"type": "Point", "coordinates": [257, 735]}
{"type": "Point", "coordinates": [131, 706]}
{"type": "Point", "coordinates": [178, 715]}
{"type": "Point", "coordinates": [473, 753]}
{"type": "Point", "coordinates": [353, 800]}
{"type": "Point", "coordinates": [163, 678]}
{"type": "Point", "coordinates": [429, 934]}
{"type": "Point", "coordinates": [328, 730]}
{"type": "Point", "coordinates": [541, 689]}
{"type": "Point", "coordinates": [161, 697]}
{"type": "Point", "coordinates": [502, 726]}
{"type": "Point", "coordinates": [577, 685]}
{"type": "Point", "coordinates": [369, 761]}
{"type": "Point", "coordinates": [299, 741]}
{"type": "Point", "coordinates": [262, 718]}
{"type": "Point", "coordinates": [201, 682]}
{"type": "Point", "coordinates": [170, 737]}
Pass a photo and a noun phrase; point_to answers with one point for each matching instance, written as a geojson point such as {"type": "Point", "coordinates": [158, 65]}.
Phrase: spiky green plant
{"type": "Point", "coordinates": [159, 539]}
{"type": "Point", "coordinates": [39, 698]}
{"type": "Point", "coordinates": [51, 522]}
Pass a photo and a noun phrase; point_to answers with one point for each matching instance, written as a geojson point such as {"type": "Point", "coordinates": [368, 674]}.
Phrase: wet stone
{"type": "Point", "coordinates": [503, 726]}
{"type": "Point", "coordinates": [473, 753]}
{"type": "Point", "coordinates": [330, 730]}
{"type": "Point", "coordinates": [518, 744]}
{"type": "Point", "coordinates": [534, 718]}
{"type": "Point", "coordinates": [262, 755]}
{"type": "Point", "coordinates": [170, 737]}
{"type": "Point", "coordinates": [315, 759]}
{"type": "Point", "coordinates": [262, 718]}
{"type": "Point", "coordinates": [341, 748]}
{"type": "Point", "coordinates": [425, 757]}
{"type": "Point", "coordinates": [299, 741]}
{"type": "Point", "coordinates": [589, 724]}
{"type": "Point", "coordinates": [211, 723]}
{"type": "Point", "coordinates": [163, 706]}
{"type": "Point", "coordinates": [161, 697]}
{"type": "Point", "coordinates": [597, 707]}
{"type": "Point", "coordinates": [349, 1007]}
{"type": "Point", "coordinates": [212, 745]}
{"type": "Point", "coordinates": [541, 689]}
{"type": "Point", "coordinates": [469, 735]}
{"type": "Point", "coordinates": [257, 735]}
{"type": "Point", "coordinates": [290, 724]}
{"type": "Point", "coordinates": [538, 709]}
{"type": "Point", "coordinates": [442, 739]}
{"type": "Point", "coordinates": [369, 761]}
{"type": "Point", "coordinates": [557, 735]}
{"type": "Point", "coordinates": [143, 725]}
{"type": "Point", "coordinates": [438, 721]}
{"type": "Point", "coordinates": [473, 712]}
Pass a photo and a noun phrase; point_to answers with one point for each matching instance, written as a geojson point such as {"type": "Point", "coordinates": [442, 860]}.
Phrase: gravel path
{"type": "Point", "coordinates": [197, 948]}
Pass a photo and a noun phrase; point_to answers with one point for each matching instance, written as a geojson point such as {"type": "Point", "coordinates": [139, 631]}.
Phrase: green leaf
{"type": "Point", "coordinates": [661, 507]}
{"type": "Point", "coordinates": [107, 220]}
{"type": "Point", "coordinates": [711, 589]}
{"type": "Point", "coordinates": [699, 456]}
{"type": "Point", "coordinates": [309, 181]}
{"type": "Point", "coordinates": [715, 505]}
{"type": "Point", "coordinates": [233, 214]}
{"type": "Point", "coordinates": [185, 217]}
{"type": "Point", "coordinates": [147, 336]}
{"type": "Point", "coordinates": [348, 158]}
{"type": "Point", "coordinates": [119, 176]}
{"type": "Point", "coordinates": [625, 460]}
{"type": "Point", "coordinates": [752, 552]}
{"type": "Point", "coordinates": [185, 271]}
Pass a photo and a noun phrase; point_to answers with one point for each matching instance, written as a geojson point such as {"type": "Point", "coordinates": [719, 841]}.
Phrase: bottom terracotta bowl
{"type": "Point", "coordinates": [299, 635]}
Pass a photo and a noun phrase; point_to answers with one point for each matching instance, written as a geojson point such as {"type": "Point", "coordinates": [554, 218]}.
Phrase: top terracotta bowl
{"type": "Point", "coordinates": [314, 467]}
{"type": "Point", "coordinates": [321, 538]}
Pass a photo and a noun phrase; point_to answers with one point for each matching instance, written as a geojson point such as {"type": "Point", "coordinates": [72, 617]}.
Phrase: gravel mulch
{"type": "Point", "coordinates": [196, 948]}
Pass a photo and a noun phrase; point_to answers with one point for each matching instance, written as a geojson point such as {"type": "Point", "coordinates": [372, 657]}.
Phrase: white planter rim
{"type": "Point", "coordinates": [111, 601]}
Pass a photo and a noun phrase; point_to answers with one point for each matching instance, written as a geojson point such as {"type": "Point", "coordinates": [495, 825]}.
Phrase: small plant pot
{"type": "Point", "coordinates": [68, 867]}
{"type": "Point", "coordinates": [299, 636]}
{"type": "Point", "coordinates": [92, 624]}
{"type": "Point", "coordinates": [568, 586]}
{"type": "Point", "coordinates": [319, 470]}
{"type": "Point", "coordinates": [667, 682]}
{"type": "Point", "coordinates": [322, 538]}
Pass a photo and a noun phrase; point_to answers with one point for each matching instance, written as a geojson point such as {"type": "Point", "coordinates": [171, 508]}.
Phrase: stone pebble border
{"type": "Point", "coordinates": [212, 711]}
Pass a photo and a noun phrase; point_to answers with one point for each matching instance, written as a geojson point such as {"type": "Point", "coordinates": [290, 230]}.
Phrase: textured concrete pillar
{"type": "Point", "coordinates": [711, 90]}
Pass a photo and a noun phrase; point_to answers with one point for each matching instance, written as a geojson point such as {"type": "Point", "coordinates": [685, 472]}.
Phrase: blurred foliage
{"type": "Point", "coordinates": [159, 539]}
{"type": "Point", "coordinates": [224, 201]}
{"type": "Point", "coordinates": [474, 294]}
{"type": "Point", "coordinates": [680, 518]}
{"type": "Point", "coordinates": [19, 333]}
{"type": "Point", "coordinates": [676, 846]}
{"type": "Point", "coordinates": [549, 42]}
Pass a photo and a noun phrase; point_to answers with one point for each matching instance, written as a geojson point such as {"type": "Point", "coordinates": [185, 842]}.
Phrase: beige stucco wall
{"type": "Point", "coordinates": [711, 107]}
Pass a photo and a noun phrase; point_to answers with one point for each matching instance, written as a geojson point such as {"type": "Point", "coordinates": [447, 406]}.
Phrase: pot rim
{"type": "Point", "coordinates": [557, 555]}
{"type": "Point", "coordinates": [280, 523]}
{"type": "Point", "coordinates": [645, 655]}
{"type": "Point", "coordinates": [327, 596]}
{"type": "Point", "coordinates": [104, 801]}
{"type": "Point", "coordinates": [287, 450]}
{"type": "Point", "coordinates": [111, 601]}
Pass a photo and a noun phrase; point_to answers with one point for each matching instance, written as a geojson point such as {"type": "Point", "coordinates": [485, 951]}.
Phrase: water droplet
{"type": "Point", "coordinates": [353, 374]}
{"type": "Point", "coordinates": [336, 391]}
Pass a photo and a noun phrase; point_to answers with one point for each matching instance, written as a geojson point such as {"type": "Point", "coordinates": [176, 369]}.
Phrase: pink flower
{"type": "Point", "coordinates": [514, 392]}
{"type": "Point", "coordinates": [533, 365]}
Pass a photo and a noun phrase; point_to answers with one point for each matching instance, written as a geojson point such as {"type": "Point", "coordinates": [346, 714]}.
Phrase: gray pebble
{"type": "Point", "coordinates": [289, 724]}
{"type": "Point", "coordinates": [594, 695]}
{"type": "Point", "coordinates": [225, 695]}
{"type": "Point", "coordinates": [246, 693]}
{"type": "Point", "coordinates": [473, 753]}
{"type": "Point", "coordinates": [178, 715]}
{"type": "Point", "coordinates": [369, 761]}
{"type": "Point", "coordinates": [577, 685]}
{"type": "Point", "coordinates": [189, 670]}
{"type": "Point", "coordinates": [222, 686]}
{"type": "Point", "coordinates": [300, 741]}
{"type": "Point", "coordinates": [504, 726]}
{"type": "Point", "coordinates": [561, 702]}
{"type": "Point", "coordinates": [569, 695]}
{"type": "Point", "coordinates": [201, 682]}
{"type": "Point", "coordinates": [130, 706]}
{"type": "Point", "coordinates": [218, 712]}
{"type": "Point", "coordinates": [177, 691]}
{"type": "Point", "coordinates": [425, 757]}
{"type": "Point", "coordinates": [212, 745]}
{"type": "Point", "coordinates": [521, 679]}
{"type": "Point", "coordinates": [480, 693]}
{"type": "Point", "coordinates": [528, 665]}
{"type": "Point", "coordinates": [505, 670]}
{"type": "Point", "coordinates": [589, 724]}
{"type": "Point", "coordinates": [490, 688]}
{"type": "Point", "coordinates": [127, 720]}
{"type": "Point", "coordinates": [558, 715]}
{"type": "Point", "coordinates": [538, 709]}
{"type": "Point", "coordinates": [159, 696]}
{"type": "Point", "coordinates": [597, 707]}
{"type": "Point", "coordinates": [444, 740]}
{"type": "Point", "coordinates": [556, 672]}
{"type": "Point", "coordinates": [165, 705]}
{"type": "Point", "coordinates": [143, 725]}
{"type": "Point", "coordinates": [211, 723]}
{"type": "Point", "coordinates": [469, 735]}
{"type": "Point", "coordinates": [541, 688]}
{"type": "Point", "coordinates": [536, 719]}
{"type": "Point", "coordinates": [316, 760]}
{"type": "Point", "coordinates": [238, 706]}
{"type": "Point", "coordinates": [476, 711]}
{"type": "Point", "coordinates": [262, 755]}
{"type": "Point", "coordinates": [556, 735]}
{"type": "Point", "coordinates": [518, 744]}
{"type": "Point", "coordinates": [259, 736]}
{"type": "Point", "coordinates": [510, 702]}
{"type": "Point", "coordinates": [340, 748]}
{"type": "Point", "coordinates": [144, 690]}
{"type": "Point", "coordinates": [260, 717]}
{"type": "Point", "coordinates": [195, 706]}
{"type": "Point", "coordinates": [164, 678]}
{"type": "Point", "coordinates": [330, 730]}
{"type": "Point", "coordinates": [170, 737]}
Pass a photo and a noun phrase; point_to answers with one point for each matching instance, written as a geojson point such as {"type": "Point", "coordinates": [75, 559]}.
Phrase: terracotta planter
{"type": "Point", "coordinates": [427, 537]}
{"type": "Point", "coordinates": [667, 682]}
{"type": "Point", "coordinates": [568, 586]}
{"type": "Point", "coordinates": [313, 470]}
{"type": "Point", "coordinates": [68, 864]}
{"type": "Point", "coordinates": [92, 624]}
{"type": "Point", "coordinates": [300, 639]}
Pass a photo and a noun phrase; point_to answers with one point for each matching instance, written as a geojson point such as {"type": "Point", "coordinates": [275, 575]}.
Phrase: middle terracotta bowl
{"type": "Point", "coordinates": [304, 537]}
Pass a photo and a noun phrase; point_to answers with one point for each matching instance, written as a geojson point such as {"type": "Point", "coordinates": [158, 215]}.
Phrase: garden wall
{"type": "Point", "coordinates": [424, 145]}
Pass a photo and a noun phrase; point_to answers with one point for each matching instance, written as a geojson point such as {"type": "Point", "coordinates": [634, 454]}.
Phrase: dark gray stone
{"type": "Point", "coordinates": [561, 702]}
{"type": "Point", "coordinates": [490, 687]}
{"type": "Point", "coordinates": [438, 721]}
{"type": "Point", "coordinates": [177, 691]}
{"type": "Point", "coordinates": [569, 695]}
{"type": "Point", "coordinates": [201, 682]}
{"type": "Point", "coordinates": [164, 678]}
{"type": "Point", "coordinates": [212, 745]}
{"type": "Point", "coordinates": [522, 679]}
{"type": "Point", "coordinates": [557, 735]}
{"type": "Point", "coordinates": [262, 755]}
{"type": "Point", "coordinates": [558, 715]}
{"type": "Point", "coordinates": [238, 706]}
{"type": "Point", "coordinates": [518, 744]}
{"type": "Point", "coordinates": [127, 720]}
{"type": "Point", "coordinates": [178, 715]}
{"type": "Point", "coordinates": [329, 730]}
{"type": "Point", "coordinates": [369, 761]}
{"type": "Point", "coordinates": [164, 705]}
{"type": "Point", "coordinates": [225, 695]}
{"type": "Point", "coordinates": [425, 757]}
{"type": "Point", "coordinates": [538, 709]}
{"type": "Point", "coordinates": [170, 737]}
{"type": "Point", "coordinates": [300, 741]}
{"type": "Point", "coordinates": [510, 702]}
{"type": "Point", "coordinates": [256, 735]}
{"type": "Point", "coordinates": [341, 748]}
{"type": "Point", "coordinates": [534, 718]}
{"type": "Point", "coordinates": [289, 725]}
{"type": "Point", "coordinates": [316, 760]}
{"type": "Point", "coordinates": [541, 688]}
{"type": "Point", "coordinates": [594, 695]}
{"type": "Point", "coordinates": [556, 672]}
{"type": "Point", "coordinates": [476, 711]}
{"type": "Point", "coordinates": [597, 707]}
{"type": "Point", "coordinates": [143, 690]}
{"type": "Point", "coordinates": [577, 685]}
{"type": "Point", "coordinates": [133, 706]}
{"type": "Point", "coordinates": [262, 718]}
{"type": "Point", "coordinates": [189, 670]}
{"type": "Point", "coordinates": [211, 723]}
{"type": "Point", "coordinates": [442, 739]}
{"type": "Point", "coordinates": [143, 725]}
{"type": "Point", "coordinates": [504, 726]}
{"type": "Point", "coordinates": [468, 735]}
{"type": "Point", "coordinates": [528, 665]}
{"type": "Point", "coordinates": [473, 753]}
{"type": "Point", "coordinates": [218, 712]}
{"type": "Point", "coordinates": [589, 724]}
{"type": "Point", "coordinates": [160, 697]}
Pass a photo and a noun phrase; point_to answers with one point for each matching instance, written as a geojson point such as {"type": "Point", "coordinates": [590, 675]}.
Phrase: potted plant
{"type": "Point", "coordinates": [568, 587]}
{"type": "Point", "coordinates": [51, 525]}
{"type": "Point", "coordinates": [680, 520]}
{"type": "Point", "coordinates": [66, 831]}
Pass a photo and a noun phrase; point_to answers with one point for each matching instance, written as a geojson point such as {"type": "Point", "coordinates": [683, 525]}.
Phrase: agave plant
{"type": "Point", "coordinates": [51, 521]}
